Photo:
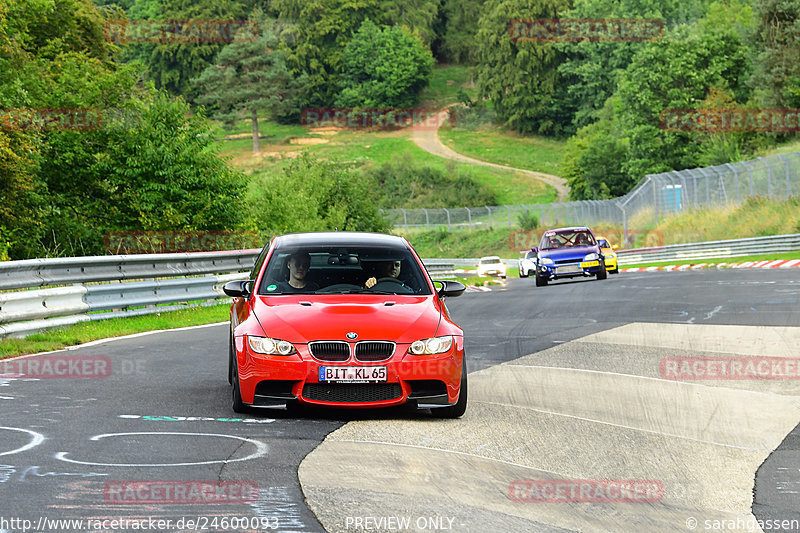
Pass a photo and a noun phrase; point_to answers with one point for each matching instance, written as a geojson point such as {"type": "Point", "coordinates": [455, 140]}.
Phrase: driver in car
{"type": "Point", "coordinates": [386, 269]}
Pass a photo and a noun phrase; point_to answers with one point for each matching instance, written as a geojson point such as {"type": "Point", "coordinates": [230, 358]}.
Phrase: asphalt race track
{"type": "Point", "coordinates": [570, 384]}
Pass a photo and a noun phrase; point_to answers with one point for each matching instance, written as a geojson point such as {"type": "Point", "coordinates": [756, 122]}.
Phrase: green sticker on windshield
{"type": "Point", "coordinates": [272, 288]}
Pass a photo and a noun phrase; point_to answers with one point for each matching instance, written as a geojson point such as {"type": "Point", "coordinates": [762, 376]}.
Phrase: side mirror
{"type": "Point", "coordinates": [238, 289]}
{"type": "Point", "coordinates": [450, 288]}
{"type": "Point", "coordinates": [535, 249]}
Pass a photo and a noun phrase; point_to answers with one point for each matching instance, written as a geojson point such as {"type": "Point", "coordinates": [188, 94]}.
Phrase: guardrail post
{"type": "Point", "coordinates": [769, 176]}
{"type": "Point", "coordinates": [508, 209]}
{"type": "Point", "coordinates": [786, 164]}
{"type": "Point", "coordinates": [653, 184]}
{"type": "Point", "coordinates": [750, 171]}
{"type": "Point", "coordinates": [490, 216]}
{"type": "Point", "coordinates": [448, 218]}
{"type": "Point", "coordinates": [405, 219]}
{"type": "Point", "coordinates": [736, 179]}
{"type": "Point", "coordinates": [469, 218]}
{"type": "Point", "coordinates": [427, 219]}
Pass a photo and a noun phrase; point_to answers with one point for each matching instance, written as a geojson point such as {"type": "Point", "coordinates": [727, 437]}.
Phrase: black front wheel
{"type": "Point", "coordinates": [602, 274]}
{"type": "Point", "coordinates": [540, 281]}
{"type": "Point", "coordinates": [237, 404]}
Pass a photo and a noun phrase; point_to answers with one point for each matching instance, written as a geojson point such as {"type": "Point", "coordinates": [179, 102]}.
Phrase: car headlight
{"type": "Point", "coordinates": [591, 257]}
{"type": "Point", "coordinates": [546, 261]}
{"type": "Point", "coordinates": [431, 346]}
{"type": "Point", "coordinates": [269, 346]}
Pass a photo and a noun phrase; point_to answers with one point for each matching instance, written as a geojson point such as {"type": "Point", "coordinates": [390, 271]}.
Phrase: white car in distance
{"type": "Point", "coordinates": [491, 265]}
{"type": "Point", "coordinates": [527, 263]}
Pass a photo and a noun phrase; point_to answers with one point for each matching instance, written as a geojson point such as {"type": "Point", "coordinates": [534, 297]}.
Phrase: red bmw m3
{"type": "Point", "coordinates": [345, 319]}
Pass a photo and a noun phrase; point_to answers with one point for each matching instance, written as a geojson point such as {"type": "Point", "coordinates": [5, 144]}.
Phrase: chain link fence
{"type": "Point", "coordinates": [657, 195]}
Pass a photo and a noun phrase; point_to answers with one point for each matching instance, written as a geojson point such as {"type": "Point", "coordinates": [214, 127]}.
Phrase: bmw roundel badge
{"type": "Point", "coordinates": [352, 335]}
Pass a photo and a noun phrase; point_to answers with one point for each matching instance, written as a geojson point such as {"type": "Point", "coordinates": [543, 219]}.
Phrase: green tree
{"type": "Point", "coordinates": [148, 168]}
{"type": "Point", "coordinates": [248, 77]}
{"type": "Point", "coordinates": [594, 160]}
{"type": "Point", "coordinates": [521, 78]}
{"type": "Point", "coordinates": [591, 69]}
{"type": "Point", "coordinates": [417, 17]}
{"type": "Point", "coordinates": [173, 65]}
{"type": "Point", "coordinates": [676, 74]}
{"type": "Point", "coordinates": [312, 195]}
{"type": "Point", "coordinates": [322, 30]}
{"type": "Point", "coordinates": [457, 29]}
{"type": "Point", "coordinates": [776, 77]}
{"type": "Point", "coordinates": [383, 68]}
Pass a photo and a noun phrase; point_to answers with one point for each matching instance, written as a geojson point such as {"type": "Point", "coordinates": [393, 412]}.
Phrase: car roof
{"type": "Point", "coordinates": [490, 257]}
{"type": "Point", "coordinates": [340, 238]}
{"type": "Point", "coordinates": [574, 228]}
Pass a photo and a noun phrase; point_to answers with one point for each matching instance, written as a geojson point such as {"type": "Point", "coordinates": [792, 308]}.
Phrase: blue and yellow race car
{"type": "Point", "coordinates": [569, 253]}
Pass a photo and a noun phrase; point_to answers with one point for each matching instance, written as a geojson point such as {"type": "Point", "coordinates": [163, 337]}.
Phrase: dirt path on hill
{"type": "Point", "coordinates": [428, 140]}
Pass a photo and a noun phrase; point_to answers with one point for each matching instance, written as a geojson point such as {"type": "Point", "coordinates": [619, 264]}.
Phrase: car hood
{"type": "Point", "coordinates": [331, 317]}
{"type": "Point", "coordinates": [565, 254]}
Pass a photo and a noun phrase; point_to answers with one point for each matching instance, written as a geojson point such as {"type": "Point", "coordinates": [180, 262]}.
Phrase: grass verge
{"type": "Point", "coordinates": [80, 333]}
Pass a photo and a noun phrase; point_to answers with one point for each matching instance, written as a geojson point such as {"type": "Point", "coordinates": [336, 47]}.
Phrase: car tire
{"type": "Point", "coordinates": [237, 404]}
{"type": "Point", "coordinates": [615, 271]}
{"type": "Point", "coordinates": [540, 281]}
{"type": "Point", "coordinates": [602, 273]}
{"type": "Point", "coordinates": [523, 274]}
{"type": "Point", "coordinates": [458, 409]}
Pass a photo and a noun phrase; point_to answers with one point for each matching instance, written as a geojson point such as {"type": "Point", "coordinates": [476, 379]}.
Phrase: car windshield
{"type": "Point", "coordinates": [602, 243]}
{"type": "Point", "coordinates": [490, 261]}
{"type": "Point", "coordinates": [530, 255]}
{"type": "Point", "coordinates": [342, 270]}
{"type": "Point", "coordinates": [566, 239]}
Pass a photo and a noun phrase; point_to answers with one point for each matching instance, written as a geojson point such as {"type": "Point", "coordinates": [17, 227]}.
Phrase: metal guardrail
{"type": "Point", "coordinates": [161, 279]}
{"type": "Point", "coordinates": [64, 270]}
{"type": "Point", "coordinates": [711, 249]}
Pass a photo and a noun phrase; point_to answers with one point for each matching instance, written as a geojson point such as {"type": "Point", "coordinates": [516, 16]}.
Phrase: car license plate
{"type": "Point", "coordinates": [352, 374]}
{"type": "Point", "coordinates": [588, 264]}
{"type": "Point", "coordinates": [569, 269]}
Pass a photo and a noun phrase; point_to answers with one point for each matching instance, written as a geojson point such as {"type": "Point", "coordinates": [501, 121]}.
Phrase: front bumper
{"type": "Point", "coordinates": [572, 269]}
{"type": "Point", "coordinates": [426, 381]}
